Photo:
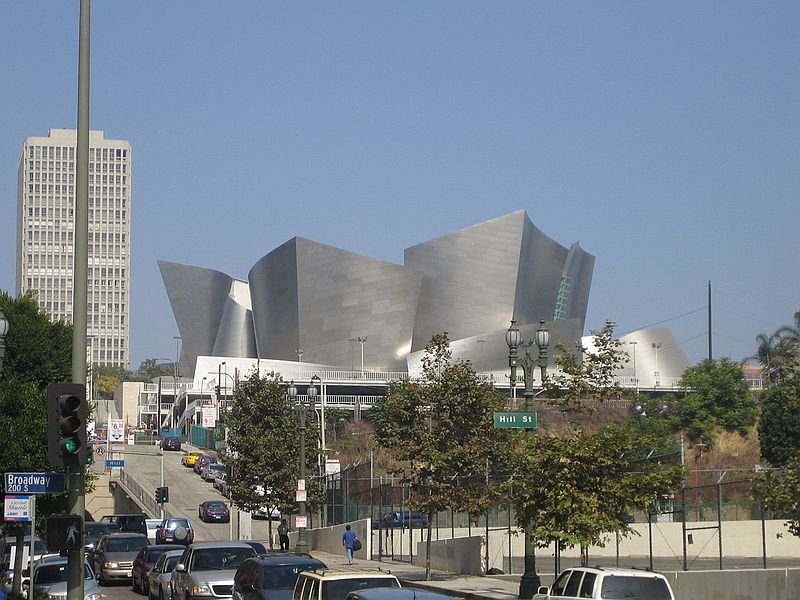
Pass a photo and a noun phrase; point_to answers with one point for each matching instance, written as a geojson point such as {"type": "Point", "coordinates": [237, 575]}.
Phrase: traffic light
{"type": "Point", "coordinates": [64, 532]}
{"type": "Point", "coordinates": [67, 412]}
{"type": "Point", "coordinates": [162, 495]}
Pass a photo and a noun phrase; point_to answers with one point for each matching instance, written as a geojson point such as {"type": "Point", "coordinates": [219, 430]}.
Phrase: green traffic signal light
{"type": "Point", "coordinates": [67, 413]}
{"type": "Point", "coordinates": [72, 445]}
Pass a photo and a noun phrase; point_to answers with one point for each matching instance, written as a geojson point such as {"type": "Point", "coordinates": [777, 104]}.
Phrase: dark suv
{"type": "Point", "coordinates": [127, 523]}
{"type": "Point", "coordinates": [272, 576]}
{"type": "Point", "coordinates": [175, 530]}
{"type": "Point", "coordinates": [405, 519]}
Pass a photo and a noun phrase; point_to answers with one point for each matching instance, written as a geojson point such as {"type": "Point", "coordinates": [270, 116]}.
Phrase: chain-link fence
{"type": "Point", "coordinates": [699, 526]}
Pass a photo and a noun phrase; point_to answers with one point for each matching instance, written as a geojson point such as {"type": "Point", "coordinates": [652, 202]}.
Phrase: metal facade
{"type": "Point", "coordinates": [310, 296]}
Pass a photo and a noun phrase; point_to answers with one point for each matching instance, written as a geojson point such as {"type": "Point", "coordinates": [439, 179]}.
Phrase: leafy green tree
{"type": "Point", "coordinates": [262, 452]}
{"type": "Point", "coordinates": [585, 374]}
{"type": "Point", "coordinates": [779, 490]}
{"type": "Point", "coordinates": [106, 385]}
{"type": "Point", "coordinates": [37, 349]}
{"type": "Point", "coordinates": [149, 369]}
{"type": "Point", "coordinates": [779, 426]}
{"type": "Point", "coordinates": [441, 429]}
{"type": "Point", "coordinates": [717, 395]}
{"type": "Point", "coordinates": [578, 487]}
{"type": "Point", "coordinates": [575, 491]}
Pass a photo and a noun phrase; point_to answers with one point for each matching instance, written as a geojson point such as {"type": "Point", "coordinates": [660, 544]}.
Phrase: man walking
{"type": "Point", "coordinates": [348, 538]}
{"type": "Point", "coordinates": [283, 535]}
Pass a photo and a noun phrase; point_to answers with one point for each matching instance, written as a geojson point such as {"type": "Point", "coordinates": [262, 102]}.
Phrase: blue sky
{"type": "Point", "coordinates": [664, 137]}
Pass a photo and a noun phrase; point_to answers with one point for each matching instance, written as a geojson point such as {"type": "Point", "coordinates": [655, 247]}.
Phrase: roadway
{"type": "Point", "coordinates": [186, 491]}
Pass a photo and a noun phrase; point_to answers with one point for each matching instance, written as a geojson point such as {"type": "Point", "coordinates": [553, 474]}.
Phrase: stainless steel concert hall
{"type": "Point", "coordinates": [328, 306]}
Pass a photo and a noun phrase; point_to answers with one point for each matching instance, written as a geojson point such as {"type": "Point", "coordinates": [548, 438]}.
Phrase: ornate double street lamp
{"type": "Point", "coordinates": [311, 397]}
{"type": "Point", "coordinates": [530, 581]}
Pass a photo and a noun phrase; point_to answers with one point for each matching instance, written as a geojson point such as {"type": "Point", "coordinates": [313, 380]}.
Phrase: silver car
{"type": "Point", "coordinates": [206, 570]}
{"type": "Point", "coordinates": [50, 579]}
{"type": "Point", "coordinates": [161, 575]}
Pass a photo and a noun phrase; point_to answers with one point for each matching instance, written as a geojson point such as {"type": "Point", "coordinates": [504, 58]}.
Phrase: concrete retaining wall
{"type": "Point", "coordinates": [459, 555]}
{"type": "Point", "coordinates": [740, 584]}
{"type": "Point", "coordinates": [329, 539]}
{"type": "Point", "coordinates": [739, 539]}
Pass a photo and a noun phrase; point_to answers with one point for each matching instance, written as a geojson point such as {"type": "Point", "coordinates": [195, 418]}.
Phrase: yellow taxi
{"type": "Point", "coordinates": [189, 459]}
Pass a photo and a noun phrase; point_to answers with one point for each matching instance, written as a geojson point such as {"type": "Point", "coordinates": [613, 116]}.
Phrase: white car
{"type": "Point", "coordinates": [601, 582]}
{"type": "Point", "coordinates": [152, 527]}
{"type": "Point", "coordinates": [50, 579]}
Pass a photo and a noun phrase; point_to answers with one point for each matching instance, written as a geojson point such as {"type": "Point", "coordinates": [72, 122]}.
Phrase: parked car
{"type": "Point", "coordinates": [271, 576]}
{"type": "Point", "coordinates": [128, 522]}
{"type": "Point", "coordinates": [212, 470]}
{"type": "Point", "coordinates": [388, 593]}
{"type": "Point", "coordinates": [207, 569]}
{"type": "Point", "coordinates": [189, 459]}
{"type": "Point", "coordinates": [601, 582]}
{"type": "Point", "coordinates": [219, 483]}
{"type": "Point", "coordinates": [336, 584]}
{"type": "Point", "coordinates": [144, 561]}
{"type": "Point", "coordinates": [10, 556]}
{"type": "Point", "coordinates": [171, 443]}
{"type": "Point", "coordinates": [214, 511]}
{"type": "Point", "coordinates": [113, 558]}
{"type": "Point", "coordinates": [49, 579]}
{"type": "Point", "coordinates": [175, 530]}
{"type": "Point", "coordinates": [406, 519]}
{"type": "Point", "coordinates": [161, 575]}
{"type": "Point", "coordinates": [92, 532]}
{"type": "Point", "coordinates": [202, 461]}
{"type": "Point", "coordinates": [257, 546]}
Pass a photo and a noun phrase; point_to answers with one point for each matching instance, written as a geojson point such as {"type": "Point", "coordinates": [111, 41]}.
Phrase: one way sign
{"type": "Point", "coordinates": [64, 532]}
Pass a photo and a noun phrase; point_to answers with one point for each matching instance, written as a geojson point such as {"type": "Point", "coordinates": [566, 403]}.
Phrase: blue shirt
{"type": "Point", "coordinates": [348, 538]}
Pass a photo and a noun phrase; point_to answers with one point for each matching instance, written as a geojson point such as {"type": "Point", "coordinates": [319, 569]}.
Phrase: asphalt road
{"type": "Point", "coordinates": [186, 491]}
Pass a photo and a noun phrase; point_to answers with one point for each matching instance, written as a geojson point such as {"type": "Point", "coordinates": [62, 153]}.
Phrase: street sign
{"type": "Point", "coordinates": [116, 431]}
{"type": "Point", "coordinates": [300, 496]}
{"type": "Point", "coordinates": [115, 463]}
{"type": "Point", "coordinates": [18, 508]}
{"type": "Point", "coordinates": [300, 521]}
{"type": "Point", "coordinates": [34, 483]}
{"type": "Point", "coordinates": [522, 420]}
{"type": "Point", "coordinates": [100, 450]}
{"type": "Point", "coordinates": [64, 532]}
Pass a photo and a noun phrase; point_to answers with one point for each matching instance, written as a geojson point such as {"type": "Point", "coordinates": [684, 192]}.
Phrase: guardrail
{"type": "Point", "coordinates": [145, 498]}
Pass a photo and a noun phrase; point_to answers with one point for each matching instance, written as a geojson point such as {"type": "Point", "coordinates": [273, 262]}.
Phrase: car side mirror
{"type": "Point", "coordinates": [180, 568]}
{"type": "Point", "coordinates": [543, 590]}
{"type": "Point", "coordinates": [248, 588]}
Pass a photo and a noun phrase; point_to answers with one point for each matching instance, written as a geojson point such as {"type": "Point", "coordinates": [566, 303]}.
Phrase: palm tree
{"type": "Point", "coordinates": [791, 332]}
{"type": "Point", "coordinates": [778, 355]}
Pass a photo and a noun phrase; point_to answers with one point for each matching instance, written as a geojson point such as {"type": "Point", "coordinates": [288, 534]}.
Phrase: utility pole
{"type": "Point", "coordinates": [76, 500]}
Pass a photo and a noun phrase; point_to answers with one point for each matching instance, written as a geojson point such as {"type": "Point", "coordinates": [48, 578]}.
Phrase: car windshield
{"type": "Point", "coordinates": [126, 544]}
{"type": "Point", "coordinates": [154, 553]}
{"type": "Point", "coordinates": [95, 529]}
{"type": "Point", "coordinates": [174, 523]}
{"type": "Point", "coordinates": [215, 504]}
{"type": "Point", "coordinates": [47, 574]}
{"type": "Point", "coordinates": [170, 562]}
{"type": "Point", "coordinates": [216, 467]}
{"type": "Point", "coordinates": [218, 559]}
{"type": "Point", "coordinates": [339, 588]}
{"type": "Point", "coordinates": [281, 577]}
{"type": "Point", "coordinates": [638, 588]}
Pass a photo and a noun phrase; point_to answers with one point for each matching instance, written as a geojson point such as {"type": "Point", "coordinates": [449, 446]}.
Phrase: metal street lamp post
{"type": "Point", "coordinates": [311, 394]}
{"type": "Point", "coordinates": [530, 581]}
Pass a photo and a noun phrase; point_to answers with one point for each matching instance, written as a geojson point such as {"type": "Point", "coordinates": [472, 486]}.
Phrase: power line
{"type": "Point", "coordinates": [686, 314]}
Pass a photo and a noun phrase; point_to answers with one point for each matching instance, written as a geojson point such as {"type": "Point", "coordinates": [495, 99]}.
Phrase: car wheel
{"type": "Point", "coordinates": [101, 581]}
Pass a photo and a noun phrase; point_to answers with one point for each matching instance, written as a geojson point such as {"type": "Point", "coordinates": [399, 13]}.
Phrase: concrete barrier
{"type": "Point", "coordinates": [739, 584]}
{"type": "Point", "coordinates": [329, 539]}
{"type": "Point", "coordinates": [458, 555]}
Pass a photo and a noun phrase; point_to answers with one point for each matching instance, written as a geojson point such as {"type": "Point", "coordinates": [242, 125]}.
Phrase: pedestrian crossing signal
{"type": "Point", "coordinates": [64, 532]}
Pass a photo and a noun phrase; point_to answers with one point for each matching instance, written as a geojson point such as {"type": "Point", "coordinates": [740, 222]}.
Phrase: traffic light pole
{"type": "Point", "coordinates": [76, 500]}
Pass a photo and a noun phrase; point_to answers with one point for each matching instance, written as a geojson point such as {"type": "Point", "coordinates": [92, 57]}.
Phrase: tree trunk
{"type": "Point", "coordinates": [428, 545]}
{"type": "Point", "coordinates": [16, 587]}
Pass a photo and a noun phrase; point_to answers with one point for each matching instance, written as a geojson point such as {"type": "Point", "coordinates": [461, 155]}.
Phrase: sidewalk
{"type": "Point", "coordinates": [459, 586]}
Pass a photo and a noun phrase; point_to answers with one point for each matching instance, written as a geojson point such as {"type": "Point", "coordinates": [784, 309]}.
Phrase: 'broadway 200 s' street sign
{"type": "Point", "coordinates": [34, 483]}
{"type": "Point", "coordinates": [522, 420]}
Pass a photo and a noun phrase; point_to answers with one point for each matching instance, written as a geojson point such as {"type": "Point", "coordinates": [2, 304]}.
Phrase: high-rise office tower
{"type": "Point", "coordinates": [45, 235]}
